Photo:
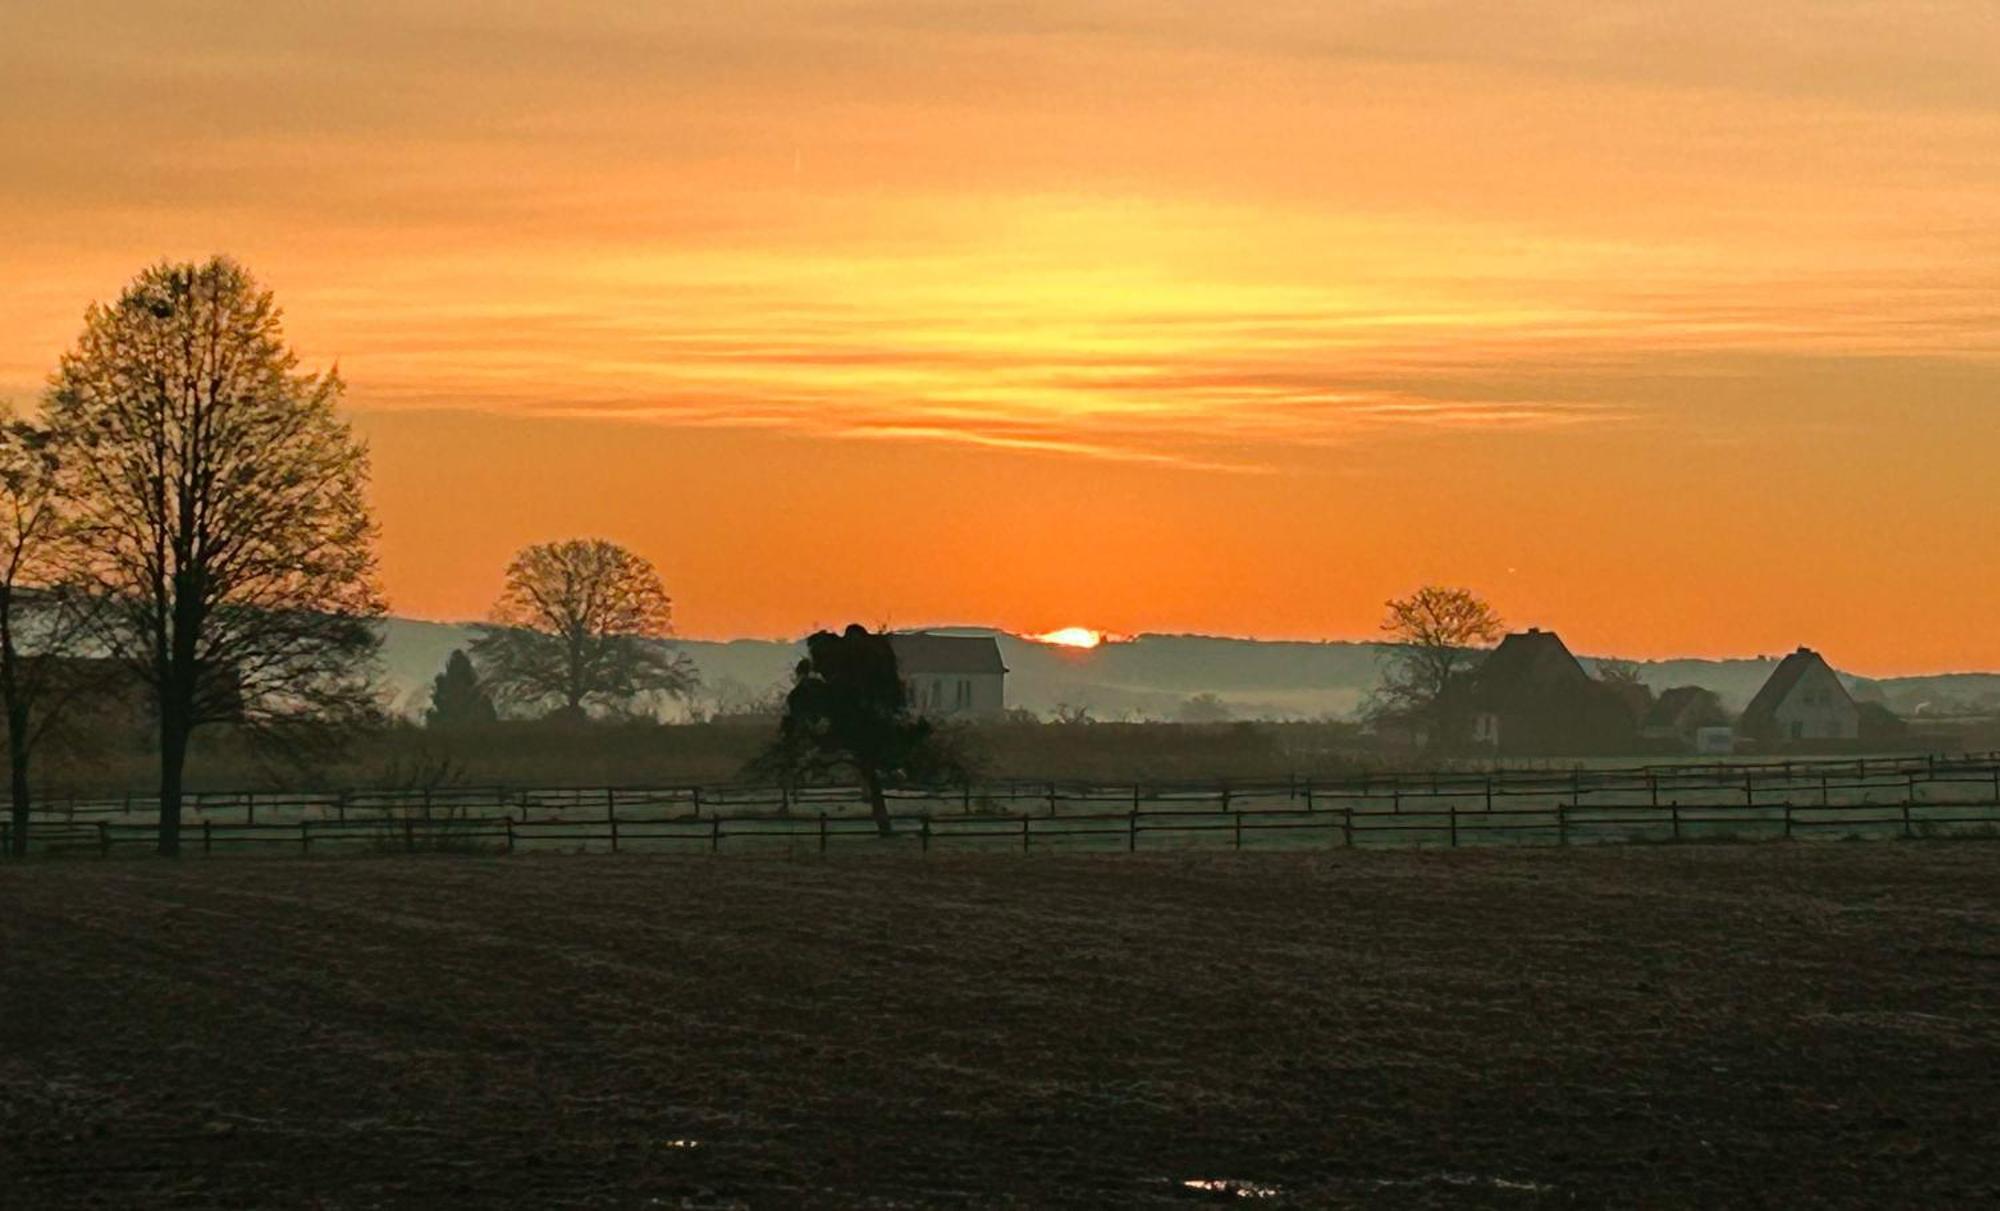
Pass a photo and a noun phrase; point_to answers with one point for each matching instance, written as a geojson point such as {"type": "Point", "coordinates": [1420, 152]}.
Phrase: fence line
{"type": "Point", "coordinates": [1751, 782]}
{"type": "Point", "coordinates": [1558, 823]}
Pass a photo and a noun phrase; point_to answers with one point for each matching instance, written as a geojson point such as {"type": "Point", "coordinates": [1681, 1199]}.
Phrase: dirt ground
{"type": "Point", "coordinates": [1745, 1026]}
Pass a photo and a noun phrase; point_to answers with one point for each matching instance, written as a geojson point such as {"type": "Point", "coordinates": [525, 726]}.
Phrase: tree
{"type": "Point", "coordinates": [43, 619]}
{"type": "Point", "coordinates": [1619, 672]}
{"type": "Point", "coordinates": [1437, 633]}
{"type": "Point", "coordinates": [847, 712]}
{"type": "Point", "coordinates": [222, 501]}
{"type": "Point", "coordinates": [457, 698]}
{"type": "Point", "coordinates": [582, 625]}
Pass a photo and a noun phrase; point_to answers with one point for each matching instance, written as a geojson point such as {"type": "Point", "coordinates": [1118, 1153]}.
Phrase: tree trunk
{"type": "Point", "coordinates": [878, 803]}
{"type": "Point", "coordinates": [17, 763]}
{"type": "Point", "coordinates": [173, 763]}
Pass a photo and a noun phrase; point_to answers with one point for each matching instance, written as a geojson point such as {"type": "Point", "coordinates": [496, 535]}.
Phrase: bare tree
{"type": "Point", "coordinates": [43, 619]}
{"type": "Point", "coordinates": [222, 501]}
{"type": "Point", "coordinates": [582, 625]}
{"type": "Point", "coordinates": [1437, 634]}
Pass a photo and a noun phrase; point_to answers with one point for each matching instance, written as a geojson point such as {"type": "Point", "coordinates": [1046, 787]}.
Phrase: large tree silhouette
{"type": "Point", "coordinates": [43, 616]}
{"type": "Point", "coordinates": [847, 713]}
{"type": "Point", "coordinates": [222, 500]}
{"type": "Point", "coordinates": [581, 625]}
{"type": "Point", "coordinates": [1438, 635]}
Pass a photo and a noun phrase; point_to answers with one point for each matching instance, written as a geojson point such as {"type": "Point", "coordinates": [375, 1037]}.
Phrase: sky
{"type": "Point", "coordinates": [1675, 328]}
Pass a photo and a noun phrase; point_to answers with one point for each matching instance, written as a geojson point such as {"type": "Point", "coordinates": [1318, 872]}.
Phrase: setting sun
{"type": "Point", "coordinates": [1072, 637]}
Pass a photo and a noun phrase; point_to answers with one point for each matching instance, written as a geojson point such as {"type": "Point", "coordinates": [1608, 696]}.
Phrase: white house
{"type": "Point", "coordinates": [1803, 700]}
{"type": "Point", "coordinates": [951, 675]}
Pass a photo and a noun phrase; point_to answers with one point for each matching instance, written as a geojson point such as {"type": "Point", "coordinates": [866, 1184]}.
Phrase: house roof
{"type": "Point", "coordinates": [1673, 706]}
{"type": "Point", "coordinates": [1526, 662]}
{"type": "Point", "coordinates": [1784, 679]}
{"type": "Point", "coordinates": [922, 652]}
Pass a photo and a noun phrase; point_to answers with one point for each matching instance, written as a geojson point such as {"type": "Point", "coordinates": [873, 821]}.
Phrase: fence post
{"type": "Point", "coordinates": [924, 832]}
{"type": "Point", "coordinates": [1135, 794]}
{"type": "Point", "coordinates": [612, 817]}
{"type": "Point", "coordinates": [103, 839]}
{"type": "Point", "coordinates": [1788, 819]}
{"type": "Point", "coordinates": [1309, 794]}
{"type": "Point", "coordinates": [696, 791]}
{"type": "Point", "coordinates": [1052, 798]}
{"type": "Point", "coordinates": [1653, 788]}
{"type": "Point", "coordinates": [1451, 817]}
{"type": "Point", "coordinates": [250, 808]}
{"type": "Point", "coordinates": [715, 834]}
{"type": "Point", "coordinates": [965, 797]}
{"type": "Point", "coordinates": [1675, 808]}
{"type": "Point", "coordinates": [1132, 833]}
{"type": "Point", "coordinates": [1225, 797]}
{"type": "Point", "coordinates": [822, 832]}
{"type": "Point", "coordinates": [1906, 820]}
{"type": "Point", "coordinates": [207, 836]}
{"type": "Point", "coordinates": [305, 836]}
{"type": "Point", "coordinates": [1024, 832]}
{"type": "Point", "coordinates": [1562, 824]}
{"type": "Point", "coordinates": [509, 822]}
{"type": "Point", "coordinates": [1347, 827]}
{"type": "Point", "coordinates": [1237, 818]}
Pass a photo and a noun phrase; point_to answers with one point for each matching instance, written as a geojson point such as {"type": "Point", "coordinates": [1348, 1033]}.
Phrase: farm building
{"type": "Point", "coordinates": [1803, 701]}
{"type": "Point", "coordinates": [1530, 697]}
{"type": "Point", "coordinates": [951, 675]}
{"type": "Point", "coordinates": [1680, 716]}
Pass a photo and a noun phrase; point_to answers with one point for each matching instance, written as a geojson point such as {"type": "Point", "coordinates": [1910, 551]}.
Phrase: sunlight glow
{"type": "Point", "coordinates": [1072, 637]}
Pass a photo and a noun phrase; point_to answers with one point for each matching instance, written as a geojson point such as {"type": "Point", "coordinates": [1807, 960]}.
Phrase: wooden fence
{"type": "Point", "coordinates": [1863, 797]}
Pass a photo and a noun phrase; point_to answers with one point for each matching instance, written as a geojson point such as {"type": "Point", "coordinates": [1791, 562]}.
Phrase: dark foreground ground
{"type": "Point", "coordinates": [1715, 1026]}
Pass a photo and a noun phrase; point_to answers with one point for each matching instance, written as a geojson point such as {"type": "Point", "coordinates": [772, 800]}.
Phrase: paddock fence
{"type": "Point", "coordinates": [1884, 797]}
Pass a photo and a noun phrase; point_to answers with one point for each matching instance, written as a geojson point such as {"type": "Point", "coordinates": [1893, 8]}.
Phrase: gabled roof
{"type": "Point", "coordinates": [922, 652]}
{"type": "Point", "coordinates": [1674, 705]}
{"type": "Point", "coordinates": [1526, 662]}
{"type": "Point", "coordinates": [1784, 679]}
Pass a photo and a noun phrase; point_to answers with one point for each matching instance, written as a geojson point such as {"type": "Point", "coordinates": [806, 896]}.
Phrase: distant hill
{"type": "Point", "coordinates": [1151, 676]}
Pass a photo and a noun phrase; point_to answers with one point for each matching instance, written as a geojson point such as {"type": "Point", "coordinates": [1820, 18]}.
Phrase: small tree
{"type": "Point", "coordinates": [457, 698]}
{"type": "Point", "coordinates": [1437, 634]}
{"type": "Point", "coordinates": [42, 618]}
{"type": "Point", "coordinates": [582, 625]}
{"type": "Point", "coordinates": [847, 712]}
{"type": "Point", "coordinates": [222, 505]}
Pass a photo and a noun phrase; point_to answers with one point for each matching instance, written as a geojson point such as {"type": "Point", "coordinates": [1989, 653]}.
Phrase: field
{"type": "Point", "coordinates": [1756, 1025]}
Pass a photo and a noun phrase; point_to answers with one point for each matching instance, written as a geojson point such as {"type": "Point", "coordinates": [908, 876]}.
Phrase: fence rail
{"type": "Point", "coordinates": [1566, 817]}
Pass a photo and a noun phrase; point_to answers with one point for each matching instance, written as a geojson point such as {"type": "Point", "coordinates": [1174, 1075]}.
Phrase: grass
{"type": "Point", "coordinates": [1659, 1026]}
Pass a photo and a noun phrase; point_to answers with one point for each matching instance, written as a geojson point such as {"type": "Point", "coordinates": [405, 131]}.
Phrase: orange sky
{"type": "Point", "coordinates": [1676, 332]}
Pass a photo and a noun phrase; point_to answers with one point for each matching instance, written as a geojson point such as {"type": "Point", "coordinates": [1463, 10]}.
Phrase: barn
{"type": "Point", "coordinates": [951, 676]}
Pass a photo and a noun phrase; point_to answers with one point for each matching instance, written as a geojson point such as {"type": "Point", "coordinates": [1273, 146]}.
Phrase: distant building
{"type": "Point", "coordinates": [1681, 715]}
{"type": "Point", "coordinates": [1530, 697]}
{"type": "Point", "coordinates": [949, 676]}
{"type": "Point", "coordinates": [1803, 701]}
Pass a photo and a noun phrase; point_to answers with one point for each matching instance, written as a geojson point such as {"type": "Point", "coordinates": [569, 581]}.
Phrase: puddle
{"type": "Point", "coordinates": [1229, 1187]}
{"type": "Point", "coordinates": [1464, 1179]}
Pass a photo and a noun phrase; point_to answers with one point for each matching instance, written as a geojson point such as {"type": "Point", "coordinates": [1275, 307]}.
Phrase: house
{"type": "Point", "coordinates": [1681, 716]}
{"type": "Point", "coordinates": [1803, 701]}
{"type": "Point", "coordinates": [1530, 697]}
{"type": "Point", "coordinates": [947, 676]}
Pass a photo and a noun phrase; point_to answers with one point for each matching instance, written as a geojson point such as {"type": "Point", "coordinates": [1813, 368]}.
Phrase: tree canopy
{"type": "Point", "coordinates": [1437, 634]}
{"type": "Point", "coordinates": [457, 697]}
{"type": "Point", "coordinates": [223, 504]}
{"type": "Point", "coordinates": [847, 713]}
{"type": "Point", "coordinates": [581, 627]}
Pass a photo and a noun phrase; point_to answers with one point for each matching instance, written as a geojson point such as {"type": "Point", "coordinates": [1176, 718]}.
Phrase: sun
{"type": "Point", "coordinates": [1072, 637]}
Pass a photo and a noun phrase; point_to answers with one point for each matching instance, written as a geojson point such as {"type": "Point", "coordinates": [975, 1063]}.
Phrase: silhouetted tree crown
{"type": "Point", "coordinates": [457, 698]}
{"type": "Point", "coordinates": [1438, 635]}
{"type": "Point", "coordinates": [582, 626]}
{"type": "Point", "coordinates": [222, 501]}
{"type": "Point", "coordinates": [847, 714]}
